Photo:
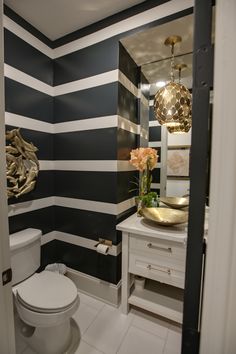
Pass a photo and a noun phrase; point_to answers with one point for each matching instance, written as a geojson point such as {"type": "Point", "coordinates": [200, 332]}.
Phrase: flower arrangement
{"type": "Point", "coordinates": [145, 160]}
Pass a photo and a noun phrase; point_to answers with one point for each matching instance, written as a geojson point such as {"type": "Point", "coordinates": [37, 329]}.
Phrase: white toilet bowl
{"type": "Point", "coordinates": [46, 302]}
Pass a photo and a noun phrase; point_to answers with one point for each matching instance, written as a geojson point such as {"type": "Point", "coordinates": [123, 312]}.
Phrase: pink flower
{"type": "Point", "coordinates": [143, 158]}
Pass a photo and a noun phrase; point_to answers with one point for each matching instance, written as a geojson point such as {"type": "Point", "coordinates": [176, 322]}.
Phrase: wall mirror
{"type": "Point", "coordinates": [147, 48]}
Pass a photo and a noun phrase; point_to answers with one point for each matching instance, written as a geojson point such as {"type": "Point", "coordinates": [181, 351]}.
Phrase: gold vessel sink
{"type": "Point", "coordinates": [175, 202]}
{"type": "Point", "coordinates": [165, 216]}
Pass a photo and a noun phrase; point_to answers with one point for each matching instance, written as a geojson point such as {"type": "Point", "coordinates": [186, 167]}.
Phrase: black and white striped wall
{"type": "Point", "coordinates": [28, 71]}
{"type": "Point", "coordinates": [158, 141]}
{"type": "Point", "coordinates": [144, 110]}
{"type": "Point", "coordinates": [77, 100]}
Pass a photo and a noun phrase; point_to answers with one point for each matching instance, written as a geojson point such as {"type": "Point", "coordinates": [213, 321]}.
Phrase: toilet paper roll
{"type": "Point", "coordinates": [103, 249]}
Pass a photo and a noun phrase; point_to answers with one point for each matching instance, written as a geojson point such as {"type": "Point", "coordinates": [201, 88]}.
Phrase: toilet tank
{"type": "Point", "coordinates": [25, 253]}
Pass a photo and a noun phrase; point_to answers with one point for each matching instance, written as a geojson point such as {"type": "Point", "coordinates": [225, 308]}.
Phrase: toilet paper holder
{"type": "Point", "coordinates": [104, 242]}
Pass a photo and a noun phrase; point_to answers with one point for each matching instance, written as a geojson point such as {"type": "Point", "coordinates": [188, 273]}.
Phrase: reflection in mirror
{"type": "Point", "coordinates": [177, 147]}
{"type": "Point", "coordinates": [171, 177]}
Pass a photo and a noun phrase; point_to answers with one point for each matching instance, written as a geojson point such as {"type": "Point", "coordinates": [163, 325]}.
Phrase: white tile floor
{"type": "Point", "coordinates": [104, 330]}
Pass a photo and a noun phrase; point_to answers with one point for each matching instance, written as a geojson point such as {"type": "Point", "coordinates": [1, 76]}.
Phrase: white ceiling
{"type": "Point", "coordinates": [160, 72]}
{"type": "Point", "coordinates": [148, 47]}
{"type": "Point", "coordinates": [56, 18]}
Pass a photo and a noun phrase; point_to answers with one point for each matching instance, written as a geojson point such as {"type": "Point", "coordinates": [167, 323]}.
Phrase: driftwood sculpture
{"type": "Point", "coordinates": [22, 164]}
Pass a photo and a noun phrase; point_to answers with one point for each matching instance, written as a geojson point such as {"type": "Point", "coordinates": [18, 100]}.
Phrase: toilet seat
{"type": "Point", "coordinates": [47, 292]}
{"type": "Point", "coordinates": [42, 310]}
{"type": "Point", "coordinates": [46, 299]}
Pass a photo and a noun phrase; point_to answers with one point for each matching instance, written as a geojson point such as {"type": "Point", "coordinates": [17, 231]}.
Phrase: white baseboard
{"type": "Point", "coordinates": [99, 289]}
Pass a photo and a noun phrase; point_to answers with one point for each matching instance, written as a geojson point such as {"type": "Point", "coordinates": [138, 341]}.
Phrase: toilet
{"type": "Point", "coordinates": [45, 302]}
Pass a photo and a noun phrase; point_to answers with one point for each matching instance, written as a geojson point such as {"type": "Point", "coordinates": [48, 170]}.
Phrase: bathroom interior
{"type": "Point", "coordinates": [91, 273]}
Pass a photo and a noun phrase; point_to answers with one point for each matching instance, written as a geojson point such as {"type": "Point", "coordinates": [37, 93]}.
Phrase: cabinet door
{"type": "Point", "coordinates": [158, 268]}
{"type": "Point", "coordinates": [156, 247]}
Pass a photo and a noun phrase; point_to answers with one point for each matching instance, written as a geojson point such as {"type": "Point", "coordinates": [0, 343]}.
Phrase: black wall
{"type": "Point", "coordinates": [78, 188]}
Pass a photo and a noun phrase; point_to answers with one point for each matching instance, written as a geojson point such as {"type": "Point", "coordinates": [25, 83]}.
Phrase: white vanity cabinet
{"type": "Point", "coordinates": [157, 253]}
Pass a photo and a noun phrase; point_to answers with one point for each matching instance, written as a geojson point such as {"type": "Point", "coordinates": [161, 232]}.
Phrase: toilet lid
{"type": "Point", "coordinates": [47, 291]}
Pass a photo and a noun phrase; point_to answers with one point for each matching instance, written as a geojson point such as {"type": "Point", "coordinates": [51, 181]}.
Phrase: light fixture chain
{"type": "Point", "coordinates": [172, 64]}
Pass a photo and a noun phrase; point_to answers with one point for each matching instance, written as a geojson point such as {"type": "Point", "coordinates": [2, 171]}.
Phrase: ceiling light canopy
{"type": "Point", "coordinates": [160, 83]}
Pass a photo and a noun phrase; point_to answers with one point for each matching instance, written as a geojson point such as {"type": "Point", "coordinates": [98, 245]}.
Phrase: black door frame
{"type": "Point", "coordinates": [202, 83]}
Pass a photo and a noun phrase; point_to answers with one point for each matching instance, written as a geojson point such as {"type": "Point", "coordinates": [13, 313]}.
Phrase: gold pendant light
{"type": "Point", "coordinates": [172, 102]}
{"type": "Point", "coordinates": [186, 125]}
{"type": "Point", "coordinates": [180, 128]}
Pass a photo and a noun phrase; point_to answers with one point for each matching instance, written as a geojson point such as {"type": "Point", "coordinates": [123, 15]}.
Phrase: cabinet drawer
{"type": "Point", "coordinates": [152, 246]}
{"type": "Point", "coordinates": [156, 269]}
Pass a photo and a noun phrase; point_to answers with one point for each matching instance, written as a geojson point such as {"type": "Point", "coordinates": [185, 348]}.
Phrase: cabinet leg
{"type": "Point", "coordinates": [125, 287]}
{"type": "Point", "coordinates": [125, 292]}
{"type": "Point", "coordinates": [125, 308]}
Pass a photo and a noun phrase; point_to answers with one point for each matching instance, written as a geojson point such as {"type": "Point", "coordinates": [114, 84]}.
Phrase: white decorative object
{"type": "Point", "coordinates": [59, 268]}
{"type": "Point", "coordinates": [22, 164]}
{"type": "Point", "coordinates": [139, 282]}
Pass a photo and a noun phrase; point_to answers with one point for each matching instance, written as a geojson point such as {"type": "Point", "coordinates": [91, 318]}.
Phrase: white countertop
{"type": "Point", "coordinates": [140, 226]}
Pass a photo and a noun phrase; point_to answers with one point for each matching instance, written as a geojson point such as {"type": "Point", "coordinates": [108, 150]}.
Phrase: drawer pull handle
{"type": "Point", "coordinates": [159, 270]}
{"type": "Point", "coordinates": [169, 249]}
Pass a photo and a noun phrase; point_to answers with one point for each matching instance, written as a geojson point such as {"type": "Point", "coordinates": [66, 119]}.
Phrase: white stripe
{"type": "Point", "coordinates": [50, 236]}
{"type": "Point", "coordinates": [25, 207]}
{"type": "Point", "coordinates": [27, 36]}
{"type": "Point", "coordinates": [97, 80]}
{"type": "Point", "coordinates": [27, 80]}
{"type": "Point", "coordinates": [28, 123]}
{"type": "Point", "coordinates": [123, 79]}
{"type": "Point", "coordinates": [91, 205]}
{"type": "Point", "coordinates": [125, 205]}
{"type": "Point", "coordinates": [128, 84]}
{"type": "Point", "coordinates": [93, 165]}
{"type": "Point", "coordinates": [144, 133]}
{"type": "Point", "coordinates": [86, 124]}
{"type": "Point", "coordinates": [154, 123]}
{"type": "Point", "coordinates": [144, 100]}
{"type": "Point", "coordinates": [151, 102]}
{"type": "Point", "coordinates": [71, 126]}
{"type": "Point", "coordinates": [83, 84]}
{"type": "Point", "coordinates": [81, 204]}
{"type": "Point", "coordinates": [126, 124]}
{"type": "Point", "coordinates": [73, 86]}
{"type": "Point", "coordinates": [97, 123]}
{"type": "Point", "coordinates": [155, 185]}
{"type": "Point", "coordinates": [45, 165]}
{"type": "Point", "coordinates": [87, 165]}
{"type": "Point", "coordinates": [154, 144]}
{"type": "Point", "coordinates": [124, 166]}
{"type": "Point", "coordinates": [76, 240]}
{"type": "Point", "coordinates": [154, 14]}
